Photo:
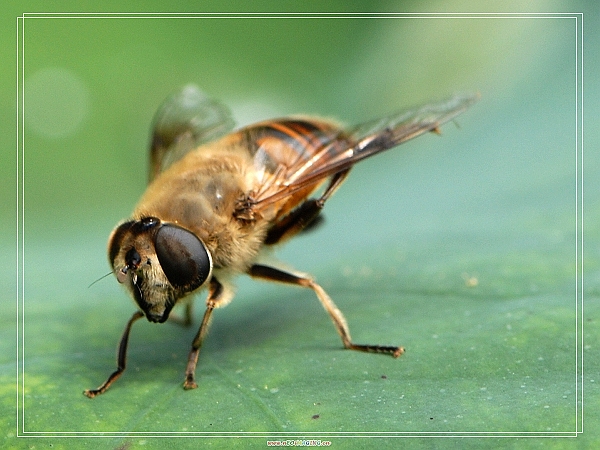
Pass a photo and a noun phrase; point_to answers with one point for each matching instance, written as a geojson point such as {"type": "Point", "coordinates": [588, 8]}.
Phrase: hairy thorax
{"type": "Point", "coordinates": [200, 192]}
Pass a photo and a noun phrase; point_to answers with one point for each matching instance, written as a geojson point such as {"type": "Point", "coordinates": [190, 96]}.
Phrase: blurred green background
{"type": "Point", "coordinates": [492, 200]}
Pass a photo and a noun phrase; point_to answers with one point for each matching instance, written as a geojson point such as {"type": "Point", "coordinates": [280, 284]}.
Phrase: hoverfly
{"type": "Point", "coordinates": [216, 202]}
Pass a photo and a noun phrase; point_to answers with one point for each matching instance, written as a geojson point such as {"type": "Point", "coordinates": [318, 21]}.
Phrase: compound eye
{"type": "Point", "coordinates": [183, 257]}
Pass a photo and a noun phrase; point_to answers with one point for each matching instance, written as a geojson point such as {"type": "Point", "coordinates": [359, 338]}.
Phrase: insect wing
{"type": "Point", "coordinates": [359, 143]}
{"type": "Point", "coordinates": [378, 135]}
{"type": "Point", "coordinates": [185, 120]}
{"type": "Point", "coordinates": [282, 149]}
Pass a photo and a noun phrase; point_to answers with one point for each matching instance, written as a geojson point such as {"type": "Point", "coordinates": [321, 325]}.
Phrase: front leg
{"type": "Point", "coordinates": [218, 295]}
{"type": "Point", "coordinates": [186, 320]}
{"type": "Point", "coordinates": [121, 359]}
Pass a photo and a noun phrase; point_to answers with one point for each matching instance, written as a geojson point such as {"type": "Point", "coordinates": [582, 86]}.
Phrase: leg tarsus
{"type": "Point", "coordinates": [383, 349]}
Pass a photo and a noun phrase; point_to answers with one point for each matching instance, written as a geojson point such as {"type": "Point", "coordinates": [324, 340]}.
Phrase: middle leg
{"type": "Point", "coordinates": [218, 295]}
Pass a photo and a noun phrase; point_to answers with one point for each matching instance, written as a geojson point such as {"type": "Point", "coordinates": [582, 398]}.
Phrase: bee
{"type": "Point", "coordinates": [218, 200]}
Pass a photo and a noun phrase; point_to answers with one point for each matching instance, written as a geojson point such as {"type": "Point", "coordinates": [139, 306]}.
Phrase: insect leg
{"type": "Point", "coordinates": [217, 295]}
{"type": "Point", "coordinates": [274, 274]}
{"type": "Point", "coordinates": [305, 214]}
{"type": "Point", "coordinates": [186, 320]}
{"type": "Point", "coordinates": [121, 359]}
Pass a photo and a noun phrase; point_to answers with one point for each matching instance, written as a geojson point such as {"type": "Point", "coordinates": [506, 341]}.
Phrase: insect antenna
{"type": "Point", "coordinates": [101, 278]}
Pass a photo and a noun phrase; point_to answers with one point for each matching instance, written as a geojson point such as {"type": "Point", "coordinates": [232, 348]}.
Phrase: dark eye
{"type": "Point", "coordinates": [183, 257]}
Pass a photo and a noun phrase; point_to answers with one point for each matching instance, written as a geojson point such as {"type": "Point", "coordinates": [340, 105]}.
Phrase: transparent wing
{"type": "Point", "coordinates": [356, 144]}
{"type": "Point", "coordinates": [185, 120]}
